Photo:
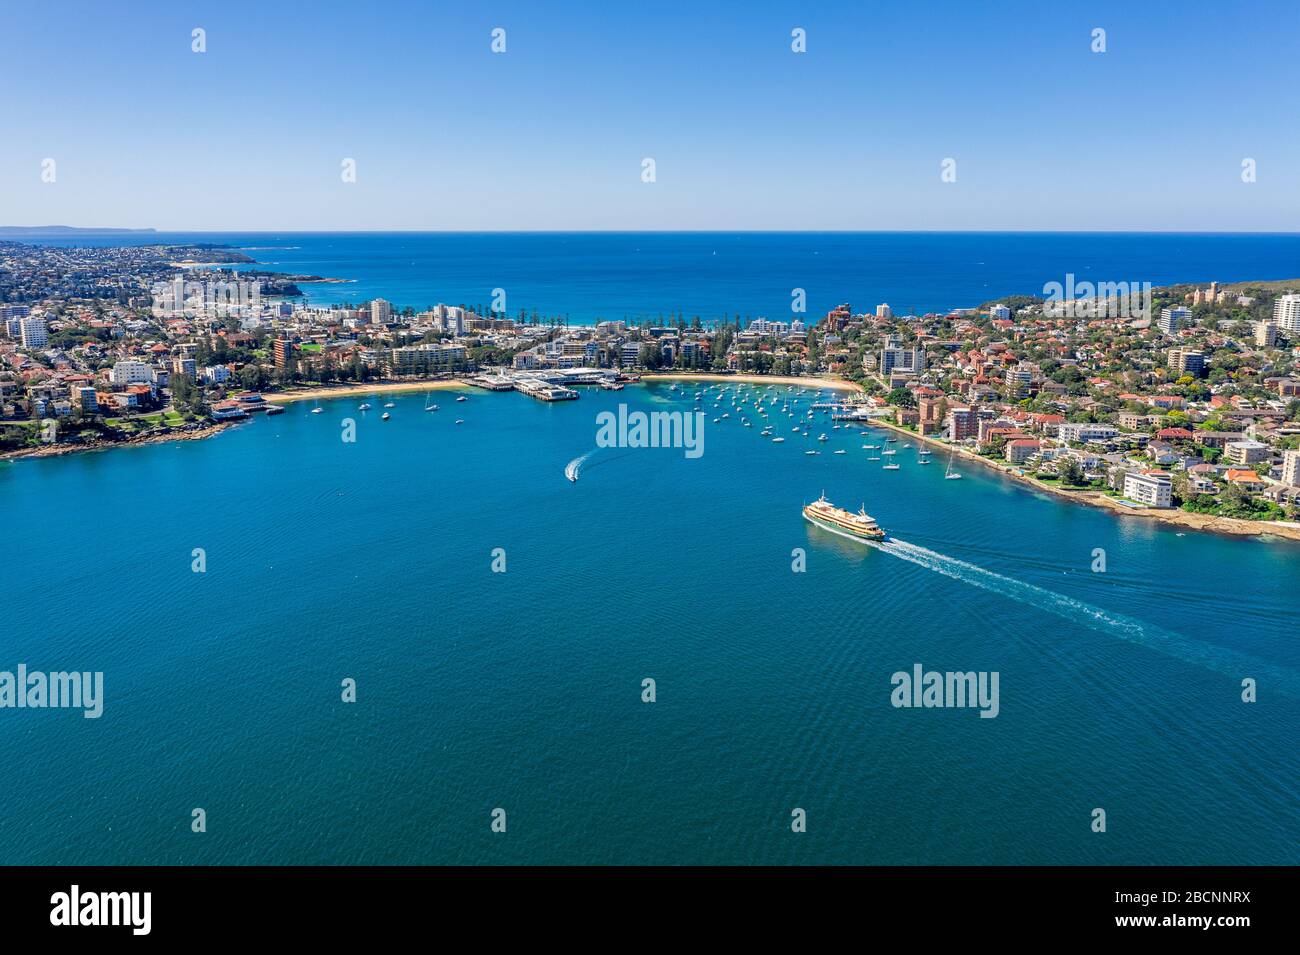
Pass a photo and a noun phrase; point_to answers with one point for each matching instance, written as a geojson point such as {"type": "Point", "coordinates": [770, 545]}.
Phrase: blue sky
{"type": "Point", "coordinates": [745, 133]}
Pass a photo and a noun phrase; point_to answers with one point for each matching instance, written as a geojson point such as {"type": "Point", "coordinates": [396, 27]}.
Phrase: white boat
{"type": "Point", "coordinates": [841, 451]}
{"type": "Point", "coordinates": [428, 403]}
{"type": "Point", "coordinates": [385, 416]}
{"type": "Point", "coordinates": [950, 474]}
{"type": "Point", "coordinates": [778, 440]}
{"type": "Point", "coordinates": [461, 398]}
{"type": "Point", "coordinates": [460, 420]}
{"type": "Point", "coordinates": [389, 404]}
{"type": "Point", "coordinates": [812, 452]}
{"type": "Point", "coordinates": [364, 406]}
{"type": "Point", "coordinates": [890, 467]}
{"type": "Point", "coordinates": [822, 438]}
{"type": "Point", "coordinates": [859, 526]}
{"type": "Point", "coordinates": [317, 410]}
{"type": "Point", "coordinates": [888, 452]}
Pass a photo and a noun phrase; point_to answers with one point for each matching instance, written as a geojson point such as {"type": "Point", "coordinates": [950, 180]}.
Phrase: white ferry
{"type": "Point", "coordinates": [860, 526]}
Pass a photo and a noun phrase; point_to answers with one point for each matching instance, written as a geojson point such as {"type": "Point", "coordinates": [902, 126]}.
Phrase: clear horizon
{"type": "Point", "coordinates": [746, 134]}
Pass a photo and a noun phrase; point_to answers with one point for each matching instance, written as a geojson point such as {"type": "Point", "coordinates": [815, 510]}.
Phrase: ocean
{"type": "Point", "coordinates": [639, 276]}
{"type": "Point", "coordinates": [499, 622]}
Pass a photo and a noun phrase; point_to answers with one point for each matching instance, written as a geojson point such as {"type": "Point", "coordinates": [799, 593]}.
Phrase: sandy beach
{"type": "Point", "coordinates": [371, 388]}
{"type": "Point", "coordinates": [837, 384]}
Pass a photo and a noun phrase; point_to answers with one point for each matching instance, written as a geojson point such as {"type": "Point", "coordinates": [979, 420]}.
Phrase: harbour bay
{"type": "Point", "coordinates": [475, 690]}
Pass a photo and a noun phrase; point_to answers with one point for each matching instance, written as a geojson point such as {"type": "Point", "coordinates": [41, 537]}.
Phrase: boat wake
{"type": "Point", "coordinates": [573, 467]}
{"type": "Point", "coordinates": [585, 463]}
{"type": "Point", "coordinates": [1220, 659]}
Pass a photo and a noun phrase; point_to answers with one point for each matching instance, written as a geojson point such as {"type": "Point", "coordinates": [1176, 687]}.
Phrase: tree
{"type": "Point", "coordinates": [1071, 472]}
{"type": "Point", "coordinates": [901, 398]}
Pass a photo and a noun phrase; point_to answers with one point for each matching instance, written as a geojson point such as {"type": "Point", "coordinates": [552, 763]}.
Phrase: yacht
{"type": "Point", "coordinates": [364, 406]}
{"type": "Point", "coordinates": [385, 416]}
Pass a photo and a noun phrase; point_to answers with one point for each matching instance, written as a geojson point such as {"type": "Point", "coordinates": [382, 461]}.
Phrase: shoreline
{"type": "Point", "coordinates": [1234, 526]}
{"type": "Point", "coordinates": [325, 393]}
{"type": "Point", "coordinates": [836, 384]}
{"type": "Point", "coordinates": [59, 450]}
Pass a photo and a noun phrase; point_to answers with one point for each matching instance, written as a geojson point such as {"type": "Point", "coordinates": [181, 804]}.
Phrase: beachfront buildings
{"type": "Point", "coordinates": [426, 359]}
{"type": "Point", "coordinates": [1152, 488]}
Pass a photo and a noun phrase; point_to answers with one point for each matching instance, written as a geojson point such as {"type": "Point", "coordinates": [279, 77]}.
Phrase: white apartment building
{"type": "Point", "coordinates": [1291, 468]}
{"type": "Point", "coordinates": [129, 371]}
{"type": "Point", "coordinates": [1171, 318]}
{"type": "Point", "coordinates": [33, 332]}
{"type": "Point", "coordinates": [1154, 490]}
{"type": "Point", "coordinates": [1083, 433]}
{"type": "Point", "coordinates": [1286, 312]}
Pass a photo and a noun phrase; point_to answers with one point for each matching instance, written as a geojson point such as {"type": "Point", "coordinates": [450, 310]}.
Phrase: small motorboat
{"type": "Point", "coordinates": [385, 416]}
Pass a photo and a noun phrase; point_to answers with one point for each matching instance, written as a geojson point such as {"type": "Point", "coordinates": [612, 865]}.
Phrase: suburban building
{"type": "Point", "coordinates": [1242, 453]}
{"type": "Point", "coordinates": [1153, 488]}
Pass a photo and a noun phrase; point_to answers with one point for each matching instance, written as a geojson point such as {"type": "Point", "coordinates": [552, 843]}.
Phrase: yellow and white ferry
{"type": "Point", "coordinates": [860, 526]}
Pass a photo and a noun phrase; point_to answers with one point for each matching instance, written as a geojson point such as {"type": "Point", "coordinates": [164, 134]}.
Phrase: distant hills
{"type": "Point", "coordinates": [23, 230]}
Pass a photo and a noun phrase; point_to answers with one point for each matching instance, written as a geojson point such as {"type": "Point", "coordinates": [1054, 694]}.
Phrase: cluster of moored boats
{"type": "Point", "coordinates": [762, 403]}
{"type": "Point", "coordinates": [386, 416]}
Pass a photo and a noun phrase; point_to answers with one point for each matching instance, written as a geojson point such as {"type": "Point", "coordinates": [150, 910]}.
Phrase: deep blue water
{"type": "Point", "coordinates": [522, 690]}
{"type": "Point", "coordinates": [716, 275]}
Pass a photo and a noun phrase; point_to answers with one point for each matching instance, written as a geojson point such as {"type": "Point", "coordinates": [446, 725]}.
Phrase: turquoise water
{"type": "Point", "coordinates": [522, 690]}
{"type": "Point", "coordinates": [715, 275]}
